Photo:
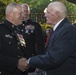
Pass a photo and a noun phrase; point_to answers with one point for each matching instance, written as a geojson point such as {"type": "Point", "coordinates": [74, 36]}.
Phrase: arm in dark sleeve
{"type": "Point", "coordinates": [62, 49]}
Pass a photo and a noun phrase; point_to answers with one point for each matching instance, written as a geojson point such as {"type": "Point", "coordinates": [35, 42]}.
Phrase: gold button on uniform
{"type": "Point", "coordinates": [9, 42]}
{"type": "Point", "coordinates": [18, 56]}
{"type": "Point", "coordinates": [18, 48]}
{"type": "Point", "coordinates": [22, 30]}
{"type": "Point", "coordinates": [32, 54]}
{"type": "Point", "coordinates": [23, 24]}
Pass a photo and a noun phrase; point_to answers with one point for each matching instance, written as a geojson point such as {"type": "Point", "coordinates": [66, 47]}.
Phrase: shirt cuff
{"type": "Point", "coordinates": [28, 60]}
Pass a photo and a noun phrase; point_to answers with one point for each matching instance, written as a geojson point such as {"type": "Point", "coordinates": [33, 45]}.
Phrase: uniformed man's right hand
{"type": "Point", "coordinates": [22, 65]}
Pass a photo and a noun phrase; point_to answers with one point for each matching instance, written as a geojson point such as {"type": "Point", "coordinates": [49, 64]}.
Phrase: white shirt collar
{"type": "Point", "coordinates": [57, 24]}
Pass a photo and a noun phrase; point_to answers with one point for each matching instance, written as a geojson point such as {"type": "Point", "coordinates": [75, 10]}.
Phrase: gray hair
{"type": "Point", "coordinates": [24, 4]}
{"type": "Point", "coordinates": [59, 7]}
{"type": "Point", "coordinates": [11, 6]}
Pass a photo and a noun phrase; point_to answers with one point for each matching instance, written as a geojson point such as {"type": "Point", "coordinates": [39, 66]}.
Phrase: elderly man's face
{"type": "Point", "coordinates": [50, 16]}
{"type": "Point", "coordinates": [26, 12]}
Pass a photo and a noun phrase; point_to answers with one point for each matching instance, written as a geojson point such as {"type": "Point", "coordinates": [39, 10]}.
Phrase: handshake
{"type": "Point", "coordinates": [23, 64]}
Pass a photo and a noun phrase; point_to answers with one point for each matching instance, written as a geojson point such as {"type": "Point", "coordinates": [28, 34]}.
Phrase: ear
{"type": "Point", "coordinates": [11, 13]}
{"type": "Point", "coordinates": [57, 14]}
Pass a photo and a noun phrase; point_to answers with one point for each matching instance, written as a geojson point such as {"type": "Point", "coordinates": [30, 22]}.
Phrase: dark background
{"type": "Point", "coordinates": [72, 1]}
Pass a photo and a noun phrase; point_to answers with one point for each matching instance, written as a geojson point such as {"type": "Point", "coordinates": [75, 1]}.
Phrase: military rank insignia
{"type": "Point", "coordinates": [21, 39]}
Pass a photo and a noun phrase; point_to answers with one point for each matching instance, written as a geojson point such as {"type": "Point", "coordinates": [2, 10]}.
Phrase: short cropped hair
{"type": "Point", "coordinates": [11, 6]}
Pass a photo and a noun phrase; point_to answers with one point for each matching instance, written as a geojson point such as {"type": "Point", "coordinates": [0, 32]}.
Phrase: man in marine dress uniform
{"type": "Point", "coordinates": [12, 44]}
{"type": "Point", "coordinates": [32, 32]}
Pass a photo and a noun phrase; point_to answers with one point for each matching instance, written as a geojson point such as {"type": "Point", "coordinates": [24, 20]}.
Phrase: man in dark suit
{"type": "Point", "coordinates": [60, 56]}
{"type": "Point", "coordinates": [12, 44]}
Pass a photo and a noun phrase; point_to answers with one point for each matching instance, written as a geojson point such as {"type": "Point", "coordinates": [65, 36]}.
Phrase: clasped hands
{"type": "Point", "coordinates": [22, 64]}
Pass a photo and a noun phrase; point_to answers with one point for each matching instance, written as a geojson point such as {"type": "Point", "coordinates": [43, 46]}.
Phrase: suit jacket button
{"type": "Point", "coordinates": [0, 72]}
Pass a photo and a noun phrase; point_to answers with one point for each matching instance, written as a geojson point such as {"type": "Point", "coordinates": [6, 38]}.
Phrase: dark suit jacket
{"type": "Point", "coordinates": [10, 50]}
{"type": "Point", "coordinates": [60, 58]}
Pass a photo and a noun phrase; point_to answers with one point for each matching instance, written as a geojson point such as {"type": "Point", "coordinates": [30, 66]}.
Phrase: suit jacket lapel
{"type": "Point", "coordinates": [61, 25]}
{"type": "Point", "coordinates": [54, 33]}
